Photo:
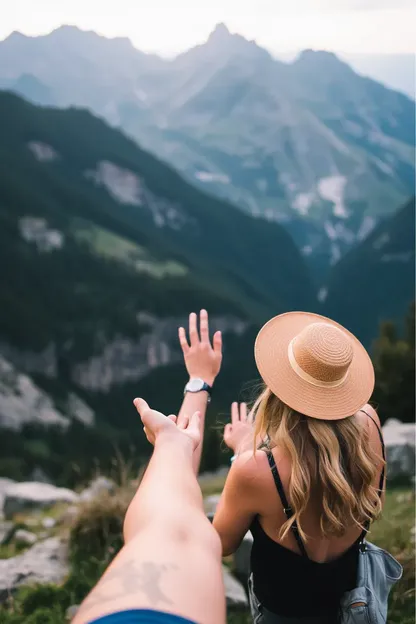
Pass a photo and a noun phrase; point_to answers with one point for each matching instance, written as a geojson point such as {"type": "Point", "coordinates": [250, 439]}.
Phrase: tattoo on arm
{"type": "Point", "coordinates": [131, 577]}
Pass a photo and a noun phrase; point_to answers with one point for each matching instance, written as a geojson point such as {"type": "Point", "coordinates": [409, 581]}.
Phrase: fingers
{"type": "Point", "coordinates": [234, 413]}
{"type": "Point", "coordinates": [243, 412]}
{"type": "Point", "coordinates": [194, 424]}
{"type": "Point", "coordinates": [183, 424]}
{"type": "Point", "coordinates": [193, 331]}
{"type": "Point", "coordinates": [173, 418]}
{"type": "Point", "coordinates": [217, 342]}
{"type": "Point", "coordinates": [204, 326]}
{"type": "Point", "coordinates": [141, 406]}
{"type": "Point", "coordinates": [183, 341]}
{"type": "Point", "coordinates": [227, 431]}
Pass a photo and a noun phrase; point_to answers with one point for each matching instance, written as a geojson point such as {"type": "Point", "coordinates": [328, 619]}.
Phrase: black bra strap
{"type": "Point", "coordinates": [286, 507]}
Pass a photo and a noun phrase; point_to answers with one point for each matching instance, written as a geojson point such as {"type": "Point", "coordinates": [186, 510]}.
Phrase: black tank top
{"type": "Point", "coordinates": [291, 584]}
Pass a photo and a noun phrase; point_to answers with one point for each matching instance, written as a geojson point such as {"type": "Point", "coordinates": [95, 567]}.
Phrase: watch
{"type": "Point", "coordinates": [195, 384]}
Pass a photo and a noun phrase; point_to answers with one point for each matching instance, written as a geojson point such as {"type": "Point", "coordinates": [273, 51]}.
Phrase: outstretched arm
{"type": "Point", "coordinates": [171, 560]}
{"type": "Point", "coordinates": [203, 361]}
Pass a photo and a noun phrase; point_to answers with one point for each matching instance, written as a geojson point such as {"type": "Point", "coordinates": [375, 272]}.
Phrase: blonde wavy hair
{"type": "Point", "coordinates": [331, 458]}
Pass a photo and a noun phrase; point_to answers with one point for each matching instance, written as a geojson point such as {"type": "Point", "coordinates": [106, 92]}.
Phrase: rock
{"type": "Point", "coordinates": [6, 529]}
{"type": "Point", "coordinates": [211, 504]}
{"type": "Point", "coordinates": [242, 557]}
{"type": "Point", "coordinates": [400, 440]}
{"type": "Point", "coordinates": [33, 495]}
{"type": "Point", "coordinates": [46, 562]}
{"type": "Point", "coordinates": [4, 485]}
{"type": "Point", "coordinates": [71, 612]}
{"type": "Point", "coordinates": [48, 523]}
{"type": "Point", "coordinates": [100, 485]}
{"type": "Point", "coordinates": [25, 537]}
{"type": "Point", "coordinates": [234, 591]}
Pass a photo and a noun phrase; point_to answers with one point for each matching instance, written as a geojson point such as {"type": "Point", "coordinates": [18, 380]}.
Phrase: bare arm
{"type": "Point", "coordinates": [171, 559]}
{"type": "Point", "coordinates": [237, 506]}
{"type": "Point", "coordinates": [203, 361]}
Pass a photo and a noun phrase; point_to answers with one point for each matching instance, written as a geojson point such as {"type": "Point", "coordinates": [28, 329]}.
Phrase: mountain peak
{"type": "Point", "coordinates": [220, 32]}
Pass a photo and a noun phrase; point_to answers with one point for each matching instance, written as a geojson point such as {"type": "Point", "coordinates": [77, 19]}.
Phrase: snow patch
{"type": "Point", "coordinates": [335, 254]}
{"type": "Point", "coordinates": [36, 230]}
{"type": "Point", "coordinates": [381, 241]}
{"type": "Point", "coordinates": [207, 176]}
{"type": "Point", "coordinates": [338, 232]}
{"type": "Point", "coordinates": [332, 189]}
{"type": "Point", "coordinates": [42, 151]}
{"type": "Point", "coordinates": [367, 226]}
{"type": "Point", "coordinates": [307, 250]}
{"type": "Point", "coordinates": [128, 188]}
{"type": "Point", "coordinates": [404, 256]}
{"type": "Point", "coordinates": [322, 295]}
{"type": "Point", "coordinates": [302, 203]}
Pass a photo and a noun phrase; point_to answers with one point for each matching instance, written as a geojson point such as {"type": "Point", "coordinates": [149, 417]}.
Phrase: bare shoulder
{"type": "Point", "coordinates": [250, 469]}
{"type": "Point", "coordinates": [368, 410]}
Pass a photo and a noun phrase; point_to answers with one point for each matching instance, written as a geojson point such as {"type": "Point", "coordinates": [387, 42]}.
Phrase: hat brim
{"type": "Point", "coordinates": [326, 403]}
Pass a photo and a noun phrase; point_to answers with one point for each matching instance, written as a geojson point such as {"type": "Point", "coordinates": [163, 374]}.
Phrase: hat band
{"type": "Point", "coordinates": [308, 378]}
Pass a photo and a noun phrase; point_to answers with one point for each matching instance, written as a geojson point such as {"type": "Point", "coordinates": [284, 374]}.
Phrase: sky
{"type": "Point", "coordinates": [168, 27]}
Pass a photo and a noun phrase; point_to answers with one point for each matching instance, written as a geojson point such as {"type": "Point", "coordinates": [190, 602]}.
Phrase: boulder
{"type": "Point", "coordinates": [71, 612]}
{"type": "Point", "coordinates": [46, 562]}
{"type": "Point", "coordinates": [234, 591]}
{"type": "Point", "coordinates": [400, 439]}
{"type": "Point", "coordinates": [6, 529]}
{"type": "Point", "coordinates": [48, 523]}
{"type": "Point", "coordinates": [32, 495]}
{"type": "Point", "coordinates": [242, 558]}
{"type": "Point", "coordinates": [25, 537]}
{"type": "Point", "coordinates": [4, 485]}
{"type": "Point", "coordinates": [99, 486]}
{"type": "Point", "coordinates": [211, 504]}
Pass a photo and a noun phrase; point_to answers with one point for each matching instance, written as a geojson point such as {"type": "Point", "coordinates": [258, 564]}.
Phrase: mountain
{"type": "Point", "coordinates": [395, 71]}
{"type": "Point", "coordinates": [310, 144]}
{"type": "Point", "coordinates": [376, 280]}
{"type": "Point", "coordinates": [107, 251]}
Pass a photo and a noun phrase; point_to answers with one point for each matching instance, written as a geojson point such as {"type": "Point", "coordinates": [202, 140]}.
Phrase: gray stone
{"type": "Point", "coordinates": [71, 612]}
{"type": "Point", "coordinates": [5, 530]}
{"type": "Point", "coordinates": [25, 537]}
{"type": "Point", "coordinates": [48, 523]}
{"type": "Point", "coordinates": [234, 591]}
{"type": "Point", "coordinates": [242, 557]}
{"type": "Point", "coordinates": [32, 495]}
{"type": "Point", "coordinates": [99, 486]}
{"type": "Point", "coordinates": [211, 504]}
{"type": "Point", "coordinates": [4, 485]}
{"type": "Point", "coordinates": [400, 441]}
{"type": "Point", "coordinates": [46, 562]}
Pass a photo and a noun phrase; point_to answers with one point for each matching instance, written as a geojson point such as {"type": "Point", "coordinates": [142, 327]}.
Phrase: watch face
{"type": "Point", "coordinates": [195, 384]}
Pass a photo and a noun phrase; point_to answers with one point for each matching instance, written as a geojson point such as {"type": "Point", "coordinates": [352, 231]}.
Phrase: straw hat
{"type": "Point", "coordinates": [314, 365]}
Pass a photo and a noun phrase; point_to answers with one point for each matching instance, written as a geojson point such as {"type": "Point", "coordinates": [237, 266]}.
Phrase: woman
{"type": "Point", "coordinates": [307, 479]}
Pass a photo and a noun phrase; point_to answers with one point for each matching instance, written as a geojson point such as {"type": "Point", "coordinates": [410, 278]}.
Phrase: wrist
{"type": "Point", "coordinates": [209, 379]}
{"type": "Point", "coordinates": [176, 438]}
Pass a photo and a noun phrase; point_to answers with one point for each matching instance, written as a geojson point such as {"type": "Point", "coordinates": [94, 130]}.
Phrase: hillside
{"type": "Point", "coordinates": [107, 250]}
{"type": "Point", "coordinates": [376, 280]}
{"type": "Point", "coordinates": [310, 144]}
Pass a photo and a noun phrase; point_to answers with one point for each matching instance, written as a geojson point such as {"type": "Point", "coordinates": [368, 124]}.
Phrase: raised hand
{"type": "Point", "coordinates": [202, 359]}
{"type": "Point", "coordinates": [156, 424]}
{"type": "Point", "coordinates": [239, 434]}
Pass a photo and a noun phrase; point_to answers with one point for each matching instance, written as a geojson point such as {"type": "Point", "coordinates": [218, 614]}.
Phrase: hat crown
{"type": "Point", "coordinates": [324, 352]}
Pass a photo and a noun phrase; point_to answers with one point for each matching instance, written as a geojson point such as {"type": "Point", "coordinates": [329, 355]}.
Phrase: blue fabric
{"type": "Point", "coordinates": [141, 616]}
